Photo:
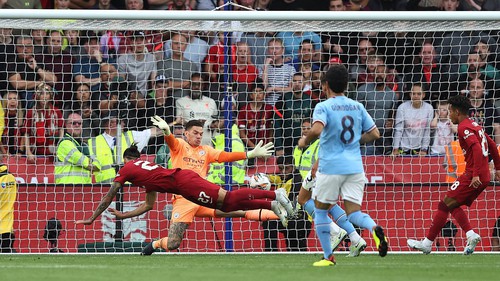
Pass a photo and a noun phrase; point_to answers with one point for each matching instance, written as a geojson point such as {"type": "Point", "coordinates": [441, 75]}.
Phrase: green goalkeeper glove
{"type": "Point", "coordinates": [260, 150]}
{"type": "Point", "coordinates": [160, 123]}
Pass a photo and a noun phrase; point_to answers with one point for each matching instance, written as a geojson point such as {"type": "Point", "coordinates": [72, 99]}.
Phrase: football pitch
{"type": "Point", "coordinates": [251, 267]}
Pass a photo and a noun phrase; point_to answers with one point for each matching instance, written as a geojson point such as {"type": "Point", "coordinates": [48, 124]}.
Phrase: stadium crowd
{"type": "Point", "coordinates": [49, 78]}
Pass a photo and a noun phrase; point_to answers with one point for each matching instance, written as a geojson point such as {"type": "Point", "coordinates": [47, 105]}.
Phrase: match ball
{"type": "Point", "coordinates": [260, 181]}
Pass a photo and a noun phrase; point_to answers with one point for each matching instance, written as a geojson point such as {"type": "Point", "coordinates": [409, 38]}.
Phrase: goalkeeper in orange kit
{"type": "Point", "coordinates": [190, 154]}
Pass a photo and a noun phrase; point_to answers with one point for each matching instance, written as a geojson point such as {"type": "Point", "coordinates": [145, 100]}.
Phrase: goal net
{"type": "Point", "coordinates": [79, 85]}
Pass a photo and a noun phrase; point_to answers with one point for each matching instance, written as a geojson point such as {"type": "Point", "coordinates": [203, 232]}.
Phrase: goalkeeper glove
{"type": "Point", "coordinates": [160, 123]}
{"type": "Point", "coordinates": [308, 181]}
{"type": "Point", "coordinates": [260, 150]}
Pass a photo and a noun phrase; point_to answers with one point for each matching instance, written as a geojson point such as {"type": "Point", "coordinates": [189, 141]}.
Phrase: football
{"type": "Point", "coordinates": [260, 181]}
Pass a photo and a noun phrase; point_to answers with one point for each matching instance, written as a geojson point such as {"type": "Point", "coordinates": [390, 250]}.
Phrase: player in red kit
{"type": "Point", "coordinates": [477, 147]}
{"type": "Point", "coordinates": [154, 178]}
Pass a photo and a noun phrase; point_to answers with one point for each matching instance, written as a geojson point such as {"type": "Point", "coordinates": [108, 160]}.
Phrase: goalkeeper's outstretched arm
{"type": "Point", "coordinates": [105, 201]}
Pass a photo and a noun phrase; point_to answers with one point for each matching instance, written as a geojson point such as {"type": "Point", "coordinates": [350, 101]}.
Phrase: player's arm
{"type": "Point", "coordinates": [260, 150]}
{"type": "Point", "coordinates": [492, 148]}
{"type": "Point", "coordinates": [105, 201]}
{"type": "Point", "coordinates": [370, 136]}
{"type": "Point", "coordinates": [171, 141]}
{"type": "Point", "coordinates": [143, 208]}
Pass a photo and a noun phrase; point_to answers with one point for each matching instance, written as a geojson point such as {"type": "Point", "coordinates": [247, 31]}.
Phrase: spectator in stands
{"type": "Point", "coordinates": [412, 124]}
{"type": "Point", "coordinates": [360, 65]}
{"type": "Point", "coordinates": [104, 5]}
{"type": "Point", "coordinates": [43, 126]}
{"type": "Point", "coordinates": [298, 228]}
{"type": "Point", "coordinates": [179, 5]}
{"type": "Point", "coordinates": [365, 5]}
{"type": "Point", "coordinates": [14, 4]}
{"type": "Point", "coordinates": [26, 73]}
{"type": "Point", "coordinates": [138, 67]}
{"type": "Point", "coordinates": [71, 44]}
{"type": "Point", "coordinates": [61, 4]}
{"type": "Point", "coordinates": [275, 73]}
{"type": "Point", "coordinates": [444, 5]}
{"type": "Point", "coordinates": [305, 56]}
{"type": "Point", "coordinates": [14, 118]}
{"type": "Point", "coordinates": [8, 194]}
{"type": "Point", "coordinates": [257, 41]}
{"type": "Point", "coordinates": [90, 122]}
{"type": "Point", "coordinates": [255, 119]}
{"type": "Point", "coordinates": [60, 63]}
{"type": "Point", "coordinates": [87, 69]}
{"type": "Point", "coordinates": [430, 73]}
{"type": "Point", "coordinates": [477, 68]}
{"type": "Point", "coordinates": [7, 49]}
{"type": "Point", "coordinates": [442, 130]}
{"type": "Point", "coordinates": [196, 48]}
{"type": "Point", "coordinates": [38, 36]}
{"type": "Point", "coordinates": [293, 40]}
{"type": "Point", "coordinates": [316, 92]}
{"type": "Point", "coordinates": [109, 76]}
{"type": "Point", "coordinates": [81, 96]}
{"type": "Point", "coordinates": [293, 108]}
{"type": "Point", "coordinates": [159, 103]}
{"type": "Point", "coordinates": [73, 164]}
{"type": "Point", "coordinates": [82, 4]}
{"type": "Point", "coordinates": [196, 106]}
{"type": "Point", "coordinates": [380, 102]}
{"type": "Point", "coordinates": [373, 60]}
{"type": "Point", "coordinates": [483, 110]}
{"type": "Point", "coordinates": [244, 71]}
{"type": "Point", "coordinates": [103, 148]}
{"type": "Point", "coordinates": [485, 52]}
{"type": "Point", "coordinates": [112, 44]}
{"type": "Point", "coordinates": [177, 69]}
{"type": "Point", "coordinates": [495, 236]}
{"type": "Point", "coordinates": [214, 62]}
{"type": "Point", "coordinates": [262, 5]}
{"type": "Point", "coordinates": [134, 4]}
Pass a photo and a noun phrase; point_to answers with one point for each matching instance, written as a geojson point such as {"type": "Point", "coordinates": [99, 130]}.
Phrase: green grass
{"type": "Point", "coordinates": [282, 267]}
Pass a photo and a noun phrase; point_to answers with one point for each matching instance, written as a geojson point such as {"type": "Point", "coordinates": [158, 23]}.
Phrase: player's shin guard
{"type": "Point", "coordinates": [461, 218]}
{"type": "Point", "coordinates": [340, 217]}
{"type": "Point", "coordinates": [247, 199]}
{"type": "Point", "coordinates": [362, 220]}
{"type": "Point", "coordinates": [260, 215]}
{"type": "Point", "coordinates": [439, 220]}
{"type": "Point", "coordinates": [322, 225]}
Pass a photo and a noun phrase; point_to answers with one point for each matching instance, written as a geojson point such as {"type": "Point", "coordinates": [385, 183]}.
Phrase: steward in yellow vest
{"type": "Point", "coordinates": [216, 171]}
{"type": "Point", "coordinates": [305, 158]}
{"type": "Point", "coordinates": [8, 194]}
{"type": "Point", "coordinates": [72, 164]}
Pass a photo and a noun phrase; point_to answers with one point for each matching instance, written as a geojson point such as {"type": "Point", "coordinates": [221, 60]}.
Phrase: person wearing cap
{"type": "Point", "coordinates": [73, 164]}
{"type": "Point", "coordinates": [138, 67]}
{"type": "Point", "coordinates": [196, 106]}
{"type": "Point", "coordinates": [159, 102]}
{"type": "Point", "coordinates": [8, 193]}
{"type": "Point", "coordinates": [106, 147]}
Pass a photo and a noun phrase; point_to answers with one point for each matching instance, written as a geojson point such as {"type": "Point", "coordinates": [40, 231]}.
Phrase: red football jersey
{"type": "Point", "coordinates": [469, 133]}
{"type": "Point", "coordinates": [148, 175]}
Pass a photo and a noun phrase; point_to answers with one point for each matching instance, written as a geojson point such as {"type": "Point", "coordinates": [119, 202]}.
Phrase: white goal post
{"type": "Point", "coordinates": [402, 193]}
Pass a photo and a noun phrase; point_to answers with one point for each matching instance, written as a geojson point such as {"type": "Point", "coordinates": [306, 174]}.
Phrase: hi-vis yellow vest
{"type": "Point", "coordinates": [304, 159]}
{"type": "Point", "coordinates": [71, 157]}
{"type": "Point", "coordinates": [454, 161]}
{"type": "Point", "coordinates": [8, 193]}
{"type": "Point", "coordinates": [216, 171]}
{"type": "Point", "coordinates": [106, 157]}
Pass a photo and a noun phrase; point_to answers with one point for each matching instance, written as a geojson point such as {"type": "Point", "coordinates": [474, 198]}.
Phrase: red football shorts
{"type": "Point", "coordinates": [196, 189]}
{"type": "Point", "coordinates": [462, 192]}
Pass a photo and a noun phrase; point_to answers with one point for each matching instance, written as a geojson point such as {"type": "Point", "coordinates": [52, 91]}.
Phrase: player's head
{"type": "Point", "coordinates": [194, 132]}
{"type": "Point", "coordinates": [335, 79]}
{"type": "Point", "coordinates": [459, 108]}
{"type": "Point", "coordinates": [131, 153]}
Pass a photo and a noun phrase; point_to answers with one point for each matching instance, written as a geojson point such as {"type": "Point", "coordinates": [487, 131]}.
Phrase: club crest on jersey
{"type": "Point", "coordinates": [467, 134]}
{"type": "Point", "coordinates": [202, 152]}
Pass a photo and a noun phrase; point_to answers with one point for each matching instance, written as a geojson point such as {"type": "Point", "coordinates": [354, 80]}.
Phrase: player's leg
{"type": "Point", "coordinates": [352, 193]}
{"type": "Point", "coordinates": [325, 193]}
{"type": "Point", "coordinates": [304, 199]}
{"type": "Point", "coordinates": [183, 213]}
{"type": "Point", "coordinates": [251, 215]}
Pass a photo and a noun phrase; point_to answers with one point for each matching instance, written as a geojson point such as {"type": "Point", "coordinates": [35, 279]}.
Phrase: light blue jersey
{"type": "Point", "coordinates": [345, 120]}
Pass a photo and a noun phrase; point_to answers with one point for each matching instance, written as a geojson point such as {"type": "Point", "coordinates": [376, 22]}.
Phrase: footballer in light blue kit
{"type": "Point", "coordinates": [342, 124]}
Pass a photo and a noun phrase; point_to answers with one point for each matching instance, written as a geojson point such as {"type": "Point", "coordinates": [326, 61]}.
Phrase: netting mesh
{"type": "Point", "coordinates": [76, 80]}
